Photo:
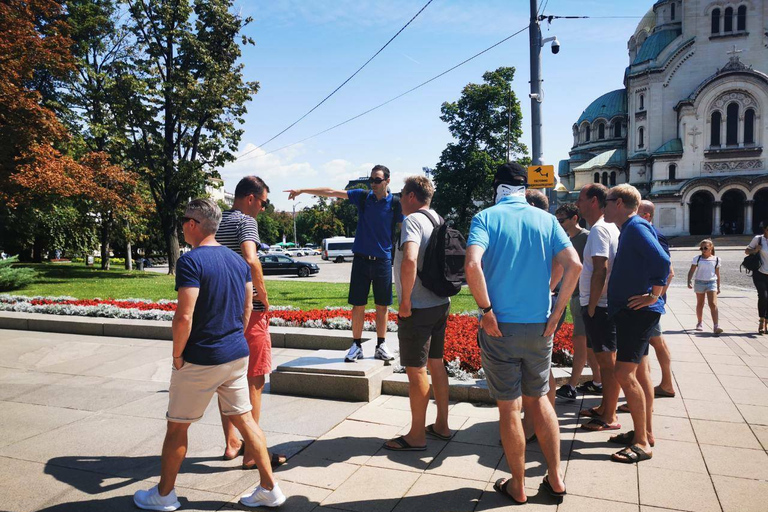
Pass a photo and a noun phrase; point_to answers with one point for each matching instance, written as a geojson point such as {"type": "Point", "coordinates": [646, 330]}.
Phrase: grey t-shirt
{"type": "Point", "coordinates": [417, 228]}
{"type": "Point", "coordinates": [579, 241]}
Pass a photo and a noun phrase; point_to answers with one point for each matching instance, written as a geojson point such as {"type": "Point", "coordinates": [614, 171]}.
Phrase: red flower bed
{"type": "Point", "coordinates": [124, 304]}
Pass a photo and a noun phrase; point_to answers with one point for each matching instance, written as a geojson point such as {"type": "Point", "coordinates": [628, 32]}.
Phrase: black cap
{"type": "Point", "coordinates": [511, 173]}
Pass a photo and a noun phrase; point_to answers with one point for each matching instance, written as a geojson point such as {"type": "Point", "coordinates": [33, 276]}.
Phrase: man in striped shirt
{"type": "Point", "coordinates": [239, 231]}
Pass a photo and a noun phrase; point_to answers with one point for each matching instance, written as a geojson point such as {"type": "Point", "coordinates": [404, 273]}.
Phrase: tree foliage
{"type": "Point", "coordinates": [484, 122]}
{"type": "Point", "coordinates": [13, 278]}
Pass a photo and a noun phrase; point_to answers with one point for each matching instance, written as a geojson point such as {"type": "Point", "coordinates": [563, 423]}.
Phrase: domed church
{"type": "Point", "coordinates": [689, 127]}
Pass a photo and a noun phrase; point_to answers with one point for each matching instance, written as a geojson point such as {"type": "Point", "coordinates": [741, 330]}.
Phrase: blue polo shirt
{"type": "Point", "coordinates": [520, 242]}
{"type": "Point", "coordinates": [374, 223]}
{"type": "Point", "coordinates": [640, 264]}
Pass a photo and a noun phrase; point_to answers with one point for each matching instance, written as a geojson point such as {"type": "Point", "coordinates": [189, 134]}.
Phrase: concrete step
{"type": "Point", "coordinates": [326, 375]}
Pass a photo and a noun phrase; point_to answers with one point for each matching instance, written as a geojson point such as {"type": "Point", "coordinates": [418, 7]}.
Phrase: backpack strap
{"type": "Point", "coordinates": [698, 260]}
{"type": "Point", "coordinates": [424, 212]}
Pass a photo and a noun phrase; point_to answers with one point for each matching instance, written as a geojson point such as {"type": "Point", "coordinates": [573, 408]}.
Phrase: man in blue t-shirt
{"type": "Point", "coordinates": [510, 251]}
{"type": "Point", "coordinates": [210, 355]}
{"type": "Point", "coordinates": [378, 214]}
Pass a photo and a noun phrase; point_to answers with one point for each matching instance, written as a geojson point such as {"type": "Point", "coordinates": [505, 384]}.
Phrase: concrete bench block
{"type": "Point", "coordinates": [15, 321]}
{"type": "Point", "coordinates": [146, 329]}
{"type": "Point", "coordinates": [316, 339]}
{"type": "Point", "coordinates": [67, 325]}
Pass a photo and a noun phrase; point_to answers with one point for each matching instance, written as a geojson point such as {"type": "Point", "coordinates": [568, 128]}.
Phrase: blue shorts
{"type": "Point", "coordinates": [366, 272]}
{"type": "Point", "coordinates": [704, 286]}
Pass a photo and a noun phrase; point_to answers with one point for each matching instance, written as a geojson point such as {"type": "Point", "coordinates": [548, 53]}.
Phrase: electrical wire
{"type": "Point", "coordinates": [342, 84]}
{"type": "Point", "coordinates": [392, 99]}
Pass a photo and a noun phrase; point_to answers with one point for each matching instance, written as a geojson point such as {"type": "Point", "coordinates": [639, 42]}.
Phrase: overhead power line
{"type": "Point", "coordinates": [393, 99]}
{"type": "Point", "coordinates": [342, 84]}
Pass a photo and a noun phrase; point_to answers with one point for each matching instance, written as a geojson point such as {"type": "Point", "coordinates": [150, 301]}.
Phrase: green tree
{"type": "Point", "coordinates": [182, 94]}
{"type": "Point", "coordinates": [485, 123]}
{"type": "Point", "coordinates": [317, 222]}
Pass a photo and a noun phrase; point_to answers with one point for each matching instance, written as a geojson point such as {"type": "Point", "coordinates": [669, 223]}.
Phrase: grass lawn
{"type": "Point", "coordinates": [83, 282]}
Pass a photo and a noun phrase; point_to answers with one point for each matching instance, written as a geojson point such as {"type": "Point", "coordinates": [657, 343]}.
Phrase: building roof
{"type": "Point", "coordinates": [562, 168]}
{"type": "Point", "coordinates": [612, 158]}
{"type": "Point", "coordinates": [608, 105]}
{"type": "Point", "coordinates": [647, 23]}
{"type": "Point", "coordinates": [655, 44]}
{"type": "Point", "coordinates": [671, 147]}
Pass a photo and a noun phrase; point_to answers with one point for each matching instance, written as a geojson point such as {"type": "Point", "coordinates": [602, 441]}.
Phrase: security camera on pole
{"type": "Point", "coordinates": [536, 44]}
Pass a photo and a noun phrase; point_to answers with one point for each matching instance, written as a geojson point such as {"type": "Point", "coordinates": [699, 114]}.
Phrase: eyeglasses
{"type": "Point", "coordinates": [703, 248]}
{"type": "Point", "coordinates": [264, 202]}
{"type": "Point", "coordinates": [561, 220]}
{"type": "Point", "coordinates": [377, 181]}
{"type": "Point", "coordinates": [184, 220]}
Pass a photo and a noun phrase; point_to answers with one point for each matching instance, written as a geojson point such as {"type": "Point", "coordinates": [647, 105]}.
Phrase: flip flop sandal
{"type": "Point", "coordinates": [589, 413]}
{"type": "Point", "coordinates": [240, 452]}
{"type": "Point", "coordinates": [630, 455]}
{"type": "Point", "coordinates": [658, 392]}
{"type": "Point", "coordinates": [403, 446]}
{"type": "Point", "coordinates": [623, 408]}
{"type": "Point", "coordinates": [548, 487]}
{"type": "Point", "coordinates": [500, 486]}
{"type": "Point", "coordinates": [432, 432]}
{"type": "Point", "coordinates": [626, 439]}
{"type": "Point", "coordinates": [599, 425]}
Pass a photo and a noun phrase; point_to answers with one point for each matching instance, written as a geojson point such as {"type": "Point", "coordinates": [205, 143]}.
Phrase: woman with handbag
{"type": "Point", "coordinates": [758, 247]}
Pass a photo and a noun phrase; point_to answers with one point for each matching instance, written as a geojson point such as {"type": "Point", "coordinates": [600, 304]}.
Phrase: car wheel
{"type": "Point", "coordinates": [304, 272]}
{"type": "Point", "coordinates": [339, 259]}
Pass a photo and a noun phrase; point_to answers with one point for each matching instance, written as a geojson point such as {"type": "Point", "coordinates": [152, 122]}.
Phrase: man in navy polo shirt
{"type": "Point", "coordinates": [378, 212]}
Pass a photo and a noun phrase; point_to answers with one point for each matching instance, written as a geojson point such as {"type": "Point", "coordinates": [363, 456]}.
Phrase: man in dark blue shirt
{"type": "Point", "coordinates": [210, 355]}
{"type": "Point", "coordinates": [635, 288]}
{"type": "Point", "coordinates": [378, 212]}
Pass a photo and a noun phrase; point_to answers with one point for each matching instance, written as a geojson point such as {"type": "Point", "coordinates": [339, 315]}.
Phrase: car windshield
{"type": "Point", "coordinates": [340, 246]}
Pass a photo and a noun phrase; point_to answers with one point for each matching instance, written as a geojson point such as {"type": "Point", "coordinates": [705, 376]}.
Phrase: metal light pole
{"type": "Point", "coordinates": [295, 243]}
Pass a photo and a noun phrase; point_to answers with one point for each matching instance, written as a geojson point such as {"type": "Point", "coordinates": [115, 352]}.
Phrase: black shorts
{"type": "Point", "coordinates": [633, 329]}
{"type": "Point", "coordinates": [600, 330]}
{"type": "Point", "coordinates": [365, 272]}
{"type": "Point", "coordinates": [422, 335]}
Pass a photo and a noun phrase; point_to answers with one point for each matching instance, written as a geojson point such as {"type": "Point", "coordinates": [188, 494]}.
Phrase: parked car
{"type": "Point", "coordinates": [280, 264]}
{"type": "Point", "coordinates": [337, 248]}
{"type": "Point", "coordinates": [276, 249]}
{"type": "Point", "coordinates": [294, 253]}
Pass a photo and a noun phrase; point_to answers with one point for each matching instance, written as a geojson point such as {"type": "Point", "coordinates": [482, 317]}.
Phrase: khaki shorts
{"type": "Point", "coordinates": [193, 386]}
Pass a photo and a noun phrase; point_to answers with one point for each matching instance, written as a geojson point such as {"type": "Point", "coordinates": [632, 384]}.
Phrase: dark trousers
{"type": "Point", "coordinates": [761, 283]}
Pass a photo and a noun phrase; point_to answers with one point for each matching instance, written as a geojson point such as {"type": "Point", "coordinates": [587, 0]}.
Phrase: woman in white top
{"type": "Point", "coordinates": [704, 278]}
{"type": "Point", "coordinates": [760, 276]}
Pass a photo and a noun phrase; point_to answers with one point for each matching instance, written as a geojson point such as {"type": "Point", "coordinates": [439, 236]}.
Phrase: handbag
{"type": "Point", "coordinates": [752, 262]}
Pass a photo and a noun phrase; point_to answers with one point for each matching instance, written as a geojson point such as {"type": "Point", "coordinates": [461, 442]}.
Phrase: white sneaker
{"type": "Point", "coordinates": [382, 353]}
{"type": "Point", "coordinates": [699, 326]}
{"type": "Point", "coordinates": [717, 330]}
{"type": "Point", "coordinates": [355, 353]}
{"type": "Point", "coordinates": [151, 500]}
{"type": "Point", "coordinates": [260, 497]}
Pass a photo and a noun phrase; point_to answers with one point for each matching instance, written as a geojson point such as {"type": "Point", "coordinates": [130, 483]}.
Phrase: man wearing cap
{"type": "Point", "coordinates": [510, 251]}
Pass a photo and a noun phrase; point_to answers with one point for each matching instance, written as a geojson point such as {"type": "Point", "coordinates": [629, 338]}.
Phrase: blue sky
{"type": "Point", "coordinates": [306, 48]}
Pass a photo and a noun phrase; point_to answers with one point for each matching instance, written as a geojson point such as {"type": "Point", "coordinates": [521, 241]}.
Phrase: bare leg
{"type": "Point", "coordinates": [231, 437]}
{"type": "Point", "coordinates": [418, 394]}
{"type": "Point", "coordinates": [174, 451]}
{"type": "Point", "coordinates": [699, 307]}
{"type": "Point", "coordinates": [528, 418]}
{"type": "Point", "coordinates": [358, 318]}
{"type": "Point", "coordinates": [611, 389]}
{"type": "Point", "coordinates": [579, 359]}
{"type": "Point", "coordinates": [646, 383]}
{"type": "Point", "coordinates": [595, 366]}
{"type": "Point", "coordinates": [626, 375]}
{"type": "Point", "coordinates": [712, 300]}
{"type": "Point", "coordinates": [513, 440]}
{"type": "Point", "coordinates": [255, 389]}
{"type": "Point", "coordinates": [665, 361]}
{"type": "Point", "coordinates": [440, 390]}
{"type": "Point", "coordinates": [255, 443]}
{"type": "Point", "coordinates": [548, 434]}
{"type": "Point", "coordinates": [381, 320]}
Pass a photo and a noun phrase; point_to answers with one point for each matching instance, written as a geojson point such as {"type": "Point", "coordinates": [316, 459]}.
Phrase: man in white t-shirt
{"type": "Point", "coordinates": [599, 253]}
{"type": "Point", "coordinates": [422, 319]}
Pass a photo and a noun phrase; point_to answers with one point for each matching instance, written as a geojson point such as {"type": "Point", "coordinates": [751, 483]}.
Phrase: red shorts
{"type": "Point", "coordinates": [259, 344]}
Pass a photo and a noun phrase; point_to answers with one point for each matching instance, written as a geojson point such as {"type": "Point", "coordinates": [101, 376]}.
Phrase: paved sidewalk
{"type": "Point", "coordinates": [81, 426]}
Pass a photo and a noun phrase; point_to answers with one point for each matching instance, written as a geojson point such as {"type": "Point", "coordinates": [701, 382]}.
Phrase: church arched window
{"type": "Point", "coordinates": [642, 102]}
{"type": "Point", "coordinates": [672, 11]}
{"type": "Point", "coordinates": [601, 131]}
{"type": "Point", "coordinates": [749, 126]}
{"type": "Point", "coordinates": [613, 178]}
{"type": "Point", "coordinates": [588, 134]}
{"type": "Point", "coordinates": [605, 179]}
{"type": "Point", "coordinates": [597, 177]}
{"type": "Point", "coordinates": [728, 19]}
{"type": "Point", "coordinates": [617, 129]}
{"type": "Point", "coordinates": [716, 21]}
{"type": "Point", "coordinates": [741, 18]}
{"type": "Point", "coordinates": [641, 137]}
{"type": "Point", "coordinates": [672, 172]}
{"type": "Point", "coordinates": [732, 124]}
{"type": "Point", "coordinates": [716, 121]}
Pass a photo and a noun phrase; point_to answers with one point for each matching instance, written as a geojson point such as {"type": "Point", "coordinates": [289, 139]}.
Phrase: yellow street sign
{"type": "Point", "coordinates": [541, 176]}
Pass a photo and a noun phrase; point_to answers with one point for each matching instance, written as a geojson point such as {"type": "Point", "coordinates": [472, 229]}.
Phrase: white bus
{"type": "Point", "coordinates": [337, 248]}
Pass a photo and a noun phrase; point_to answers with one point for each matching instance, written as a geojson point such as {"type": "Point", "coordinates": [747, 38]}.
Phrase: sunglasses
{"type": "Point", "coordinates": [184, 220]}
{"type": "Point", "coordinates": [264, 202]}
{"type": "Point", "coordinates": [377, 181]}
{"type": "Point", "coordinates": [703, 248]}
{"type": "Point", "coordinates": [561, 220]}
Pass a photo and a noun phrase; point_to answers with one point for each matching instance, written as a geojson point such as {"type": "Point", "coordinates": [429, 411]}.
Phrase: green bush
{"type": "Point", "coordinates": [14, 278]}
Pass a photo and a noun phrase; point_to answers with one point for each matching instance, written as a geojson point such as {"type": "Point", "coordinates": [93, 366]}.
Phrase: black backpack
{"type": "Point", "coordinates": [442, 271]}
{"type": "Point", "coordinates": [751, 262]}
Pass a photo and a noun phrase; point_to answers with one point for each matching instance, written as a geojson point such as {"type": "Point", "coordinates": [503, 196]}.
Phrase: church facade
{"type": "Point", "coordinates": [688, 128]}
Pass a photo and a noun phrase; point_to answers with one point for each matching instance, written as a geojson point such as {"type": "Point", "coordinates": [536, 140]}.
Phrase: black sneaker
{"type": "Point", "coordinates": [567, 392]}
{"type": "Point", "coordinates": [589, 388]}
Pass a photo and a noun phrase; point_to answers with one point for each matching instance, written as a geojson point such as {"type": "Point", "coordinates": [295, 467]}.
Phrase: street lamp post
{"type": "Point", "coordinates": [295, 243]}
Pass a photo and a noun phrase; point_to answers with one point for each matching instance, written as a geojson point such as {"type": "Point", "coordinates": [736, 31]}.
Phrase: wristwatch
{"type": "Point", "coordinates": [486, 310]}
{"type": "Point", "coordinates": [655, 297]}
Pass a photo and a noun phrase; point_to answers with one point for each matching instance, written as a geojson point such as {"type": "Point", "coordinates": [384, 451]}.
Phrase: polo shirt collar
{"type": "Point", "coordinates": [372, 196]}
{"type": "Point", "coordinates": [512, 199]}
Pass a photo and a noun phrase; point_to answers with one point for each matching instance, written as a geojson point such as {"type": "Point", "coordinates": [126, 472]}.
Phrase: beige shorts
{"type": "Point", "coordinates": [193, 386]}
